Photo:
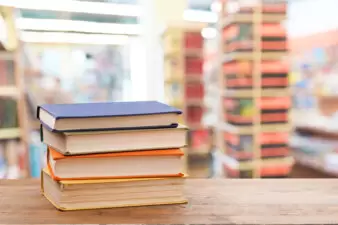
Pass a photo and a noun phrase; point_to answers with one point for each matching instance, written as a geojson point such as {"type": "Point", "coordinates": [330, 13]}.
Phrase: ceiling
{"type": "Point", "coordinates": [44, 14]}
{"type": "Point", "coordinates": [40, 14]}
{"type": "Point", "coordinates": [200, 4]}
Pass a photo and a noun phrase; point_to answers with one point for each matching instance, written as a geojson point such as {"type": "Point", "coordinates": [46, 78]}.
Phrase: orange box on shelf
{"type": "Point", "coordinates": [194, 114]}
{"type": "Point", "coordinates": [240, 147]}
{"type": "Point", "coordinates": [193, 40]}
{"type": "Point", "coordinates": [193, 65]}
{"type": "Point", "coordinates": [194, 90]}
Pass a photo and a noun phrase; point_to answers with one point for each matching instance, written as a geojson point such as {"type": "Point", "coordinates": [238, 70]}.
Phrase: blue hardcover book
{"type": "Point", "coordinates": [107, 116]}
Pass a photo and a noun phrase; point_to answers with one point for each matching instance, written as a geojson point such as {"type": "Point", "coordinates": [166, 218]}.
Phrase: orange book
{"type": "Point", "coordinates": [135, 164]}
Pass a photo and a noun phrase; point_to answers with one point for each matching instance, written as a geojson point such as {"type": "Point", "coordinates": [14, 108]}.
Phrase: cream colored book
{"type": "Point", "coordinates": [111, 193]}
{"type": "Point", "coordinates": [75, 143]}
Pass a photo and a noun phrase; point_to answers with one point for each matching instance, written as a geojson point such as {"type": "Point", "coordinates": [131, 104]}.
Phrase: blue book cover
{"type": "Point", "coordinates": [57, 112]}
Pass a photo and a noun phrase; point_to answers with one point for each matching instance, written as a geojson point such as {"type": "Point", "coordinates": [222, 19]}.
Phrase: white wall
{"type": "Point", "coordinates": [146, 58]}
{"type": "Point", "coordinates": [312, 16]}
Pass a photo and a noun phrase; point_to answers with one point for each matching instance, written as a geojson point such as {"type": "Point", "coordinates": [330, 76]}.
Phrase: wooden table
{"type": "Point", "coordinates": [213, 201]}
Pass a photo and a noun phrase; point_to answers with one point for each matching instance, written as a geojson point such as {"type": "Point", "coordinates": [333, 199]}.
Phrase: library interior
{"type": "Point", "coordinates": [181, 53]}
{"type": "Point", "coordinates": [274, 120]}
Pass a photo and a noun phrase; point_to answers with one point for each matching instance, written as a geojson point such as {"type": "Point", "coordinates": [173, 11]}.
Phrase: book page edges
{"type": "Point", "coordinates": [108, 207]}
{"type": "Point", "coordinates": [56, 155]}
{"type": "Point", "coordinates": [180, 127]}
{"type": "Point", "coordinates": [96, 180]}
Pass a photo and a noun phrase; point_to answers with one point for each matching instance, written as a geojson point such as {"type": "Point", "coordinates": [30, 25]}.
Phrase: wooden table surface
{"type": "Point", "coordinates": [211, 201]}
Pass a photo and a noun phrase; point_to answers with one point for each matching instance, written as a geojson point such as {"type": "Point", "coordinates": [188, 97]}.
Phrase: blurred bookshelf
{"type": "Point", "coordinates": [13, 127]}
{"type": "Point", "coordinates": [184, 89]}
{"type": "Point", "coordinates": [254, 98]}
{"type": "Point", "coordinates": [314, 81]}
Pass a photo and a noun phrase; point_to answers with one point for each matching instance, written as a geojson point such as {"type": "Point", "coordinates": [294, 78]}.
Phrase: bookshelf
{"type": "Point", "coordinates": [13, 132]}
{"type": "Point", "coordinates": [184, 87]}
{"type": "Point", "coordinates": [313, 82]}
{"type": "Point", "coordinates": [253, 126]}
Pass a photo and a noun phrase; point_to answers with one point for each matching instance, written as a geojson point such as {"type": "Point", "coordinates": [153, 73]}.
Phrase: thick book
{"type": "Point", "coordinates": [107, 116]}
{"type": "Point", "coordinates": [111, 193]}
{"type": "Point", "coordinates": [115, 141]}
{"type": "Point", "coordinates": [138, 164]}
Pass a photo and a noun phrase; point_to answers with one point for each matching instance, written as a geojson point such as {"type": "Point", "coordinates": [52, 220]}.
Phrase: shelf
{"type": "Point", "coordinates": [9, 133]}
{"type": "Point", "coordinates": [189, 78]}
{"type": "Point", "coordinates": [7, 56]}
{"type": "Point", "coordinates": [176, 103]}
{"type": "Point", "coordinates": [251, 55]}
{"type": "Point", "coordinates": [194, 78]}
{"type": "Point", "coordinates": [174, 80]}
{"type": "Point", "coordinates": [278, 92]}
{"type": "Point", "coordinates": [195, 102]}
{"type": "Point", "coordinates": [269, 128]}
{"type": "Point", "coordinates": [316, 162]}
{"type": "Point", "coordinates": [248, 165]}
{"type": "Point", "coordinates": [9, 91]}
{"type": "Point", "coordinates": [313, 120]}
{"type": "Point", "coordinates": [256, 55]}
{"type": "Point", "coordinates": [249, 18]}
{"type": "Point", "coordinates": [196, 126]}
{"type": "Point", "coordinates": [34, 124]}
{"type": "Point", "coordinates": [198, 152]}
{"type": "Point", "coordinates": [196, 53]}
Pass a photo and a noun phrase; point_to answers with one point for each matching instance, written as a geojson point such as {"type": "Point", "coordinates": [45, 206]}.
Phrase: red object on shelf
{"type": "Point", "coordinates": [194, 114]}
{"type": "Point", "coordinates": [199, 138]}
{"type": "Point", "coordinates": [194, 65]}
{"type": "Point", "coordinates": [194, 90]}
{"type": "Point", "coordinates": [265, 138]}
{"type": "Point", "coordinates": [193, 40]}
{"type": "Point", "coordinates": [266, 152]}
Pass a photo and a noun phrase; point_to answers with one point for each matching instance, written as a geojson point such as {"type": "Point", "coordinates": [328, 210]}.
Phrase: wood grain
{"type": "Point", "coordinates": [211, 201]}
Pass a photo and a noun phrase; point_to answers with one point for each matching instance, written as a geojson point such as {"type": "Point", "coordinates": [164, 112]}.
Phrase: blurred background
{"type": "Point", "coordinates": [257, 80]}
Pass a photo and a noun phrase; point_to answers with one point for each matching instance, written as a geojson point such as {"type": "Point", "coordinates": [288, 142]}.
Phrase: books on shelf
{"type": "Point", "coordinates": [240, 147]}
{"type": "Point", "coordinates": [255, 101]}
{"type": "Point", "coordinates": [114, 167]}
{"type": "Point", "coordinates": [240, 37]}
{"type": "Point", "coordinates": [239, 76]}
{"type": "Point", "coordinates": [184, 86]}
{"type": "Point", "coordinates": [275, 167]}
{"type": "Point", "coordinates": [274, 110]}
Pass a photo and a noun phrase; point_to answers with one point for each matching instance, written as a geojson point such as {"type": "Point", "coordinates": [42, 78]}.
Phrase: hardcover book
{"type": "Point", "coordinates": [272, 145]}
{"type": "Point", "coordinates": [111, 193]}
{"type": "Point", "coordinates": [276, 167]}
{"type": "Point", "coordinates": [107, 116]}
{"type": "Point", "coordinates": [77, 143]}
{"type": "Point", "coordinates": [239, 74]}
{"type": "Point", "coordinates": [274, 110]}
{"type": "Point", "coordinates": [152, 163]}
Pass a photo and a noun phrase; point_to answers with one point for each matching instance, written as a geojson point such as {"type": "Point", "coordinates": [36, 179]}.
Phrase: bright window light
{"type": "Point", "coordinates": [76, 6]}
{"type": "Point", "coordinates": [209, 33]}
{"type": "Point", "coordinates": [216, 6]}
{"type": "Point", "coordinates": [200, 16]}
{"type": "Point", "coordinates": [77, 26]}
{"type": "Point", "coordinates": [72, 38]}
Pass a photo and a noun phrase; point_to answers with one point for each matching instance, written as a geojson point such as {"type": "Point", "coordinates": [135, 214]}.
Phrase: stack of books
{"type": "Point", "coordinates": [104, 155]}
